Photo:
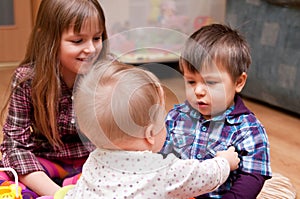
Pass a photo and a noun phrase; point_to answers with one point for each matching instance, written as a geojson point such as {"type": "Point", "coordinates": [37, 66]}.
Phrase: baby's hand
{"type": "Point", "coordinates": [231, 156]}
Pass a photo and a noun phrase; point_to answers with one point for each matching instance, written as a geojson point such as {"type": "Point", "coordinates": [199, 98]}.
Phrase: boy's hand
{"type": "Point", "coordinates": [231, 156]}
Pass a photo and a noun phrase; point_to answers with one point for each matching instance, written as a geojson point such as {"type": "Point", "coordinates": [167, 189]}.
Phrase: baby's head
{"type": "Point", "coordinates": [121, 106]}
{"type": "Point", "coordinates": [216, 45]}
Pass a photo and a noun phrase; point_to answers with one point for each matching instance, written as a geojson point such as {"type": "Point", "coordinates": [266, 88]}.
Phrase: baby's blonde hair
{"type": "Point", "coordinates": [116, 101]}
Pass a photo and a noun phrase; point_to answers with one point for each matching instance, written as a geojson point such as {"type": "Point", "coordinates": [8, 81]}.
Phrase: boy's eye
{"type": "Point", "coordinates": [191, 82]}
{"type": "Point", "coordinates": [211, 82]}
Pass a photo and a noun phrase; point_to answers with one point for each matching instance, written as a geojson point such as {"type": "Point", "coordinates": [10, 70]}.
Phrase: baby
{"type": "Point", "coordinates": [121, 109]}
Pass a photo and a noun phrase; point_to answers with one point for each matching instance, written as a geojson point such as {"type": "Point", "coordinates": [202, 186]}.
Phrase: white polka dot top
{"type": "Point", "coordinates": [116, 174]}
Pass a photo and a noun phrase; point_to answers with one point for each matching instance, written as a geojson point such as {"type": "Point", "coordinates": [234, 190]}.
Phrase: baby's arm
{"type": "Point", "coordinates": [191, 177]}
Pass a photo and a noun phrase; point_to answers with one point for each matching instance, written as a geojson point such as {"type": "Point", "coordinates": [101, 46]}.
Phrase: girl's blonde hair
{"type": "Point", "coordinates": [54, 16]}
{"type": "Point", "coordinates": [115, 100]}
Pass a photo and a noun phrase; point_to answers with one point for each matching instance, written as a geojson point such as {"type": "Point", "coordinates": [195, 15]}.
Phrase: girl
{"type": "Point", "coordinates": [121, 109]}
{"type": "Point", "coordinates": [40, 138]}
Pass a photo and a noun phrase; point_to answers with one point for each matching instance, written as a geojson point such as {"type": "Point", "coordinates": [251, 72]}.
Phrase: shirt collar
{"type": "Point", "coordinates": [240, 107]}
{"type": "Point", "coordinates": [229, 115]}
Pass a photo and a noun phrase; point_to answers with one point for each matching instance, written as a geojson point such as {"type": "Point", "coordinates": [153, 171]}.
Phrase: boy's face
{"type": "Point", "coordinates": [211, 91]}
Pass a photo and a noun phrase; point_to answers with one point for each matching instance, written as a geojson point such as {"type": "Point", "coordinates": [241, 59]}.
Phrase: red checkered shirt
{"type": "Point", "coordinates": [21, 145]}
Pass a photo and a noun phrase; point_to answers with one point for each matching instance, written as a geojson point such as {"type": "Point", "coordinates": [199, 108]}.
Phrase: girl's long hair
{"type": "Point", "coordinates": [54, 16]}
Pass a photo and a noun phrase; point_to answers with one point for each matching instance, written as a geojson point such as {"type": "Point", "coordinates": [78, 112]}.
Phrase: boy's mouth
{"type": "Point", "coordinates": [201, 103]}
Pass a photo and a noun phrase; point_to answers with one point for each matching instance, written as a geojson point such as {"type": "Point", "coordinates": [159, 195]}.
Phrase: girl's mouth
{"type": "Point", "coordinates": [85, 59]}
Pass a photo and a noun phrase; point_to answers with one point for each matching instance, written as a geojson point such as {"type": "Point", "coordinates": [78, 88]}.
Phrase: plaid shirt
{"type": "Point", "coordinates": [21, 146]}
{"type": "Point", "coordinates": [192, 137]}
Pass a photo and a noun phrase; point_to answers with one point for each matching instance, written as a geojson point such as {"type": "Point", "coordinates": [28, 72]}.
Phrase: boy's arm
{"type": "Point", "coordinates": [255, 159]}
{"type": "Point", "coordinates": [246, 186]}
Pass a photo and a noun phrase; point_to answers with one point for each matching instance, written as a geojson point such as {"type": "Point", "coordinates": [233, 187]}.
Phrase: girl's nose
{"type": "Point", "coordinates": [90, 47]}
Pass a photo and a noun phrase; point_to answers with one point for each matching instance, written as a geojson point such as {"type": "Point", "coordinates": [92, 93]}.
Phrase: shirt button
{"type": "Point", "coordinates": [73, 121]}
{"type": "Point", "coordinates": [203, 128]}
{"type": "Point", "coordinates": [198, 156]}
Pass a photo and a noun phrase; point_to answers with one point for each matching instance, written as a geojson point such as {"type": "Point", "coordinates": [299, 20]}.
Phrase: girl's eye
{"type": "Point", "coordinates": [97, 38]}
{"type": "Point", "coordinates": [77, 41]}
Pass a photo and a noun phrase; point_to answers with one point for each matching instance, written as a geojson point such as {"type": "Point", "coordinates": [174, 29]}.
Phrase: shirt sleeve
{"type": "Point", "coordinates": [188, 178]}
{"type": "Point", "coordinates": [247, 186]}
{"type": "Point", "coordinates": [16, 146]}
{"type": "Point", "coordinates": [254, 150]}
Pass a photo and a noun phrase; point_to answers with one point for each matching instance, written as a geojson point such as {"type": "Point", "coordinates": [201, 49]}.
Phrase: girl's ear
{"type": "Point", "coordinates": [240, 82]}
{"type": "Point", "coordinates": [149, 134]}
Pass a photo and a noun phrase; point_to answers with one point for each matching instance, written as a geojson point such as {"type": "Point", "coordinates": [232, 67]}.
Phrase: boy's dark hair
{"type": "Point", "coordinates": [216, 44]}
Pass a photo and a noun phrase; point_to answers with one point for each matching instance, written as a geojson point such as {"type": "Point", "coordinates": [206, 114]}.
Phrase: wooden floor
{"type": "Point", "coordinates": [284, 135]}
{"type": "Point", "coordinates": [283, 128]}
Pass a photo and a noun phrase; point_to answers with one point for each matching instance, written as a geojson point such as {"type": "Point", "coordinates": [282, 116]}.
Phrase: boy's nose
{"type": "Point", "coordinates": [200, 89]}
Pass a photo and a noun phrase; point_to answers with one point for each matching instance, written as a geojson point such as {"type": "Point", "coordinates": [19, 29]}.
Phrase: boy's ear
{"type": "Point", "coordinates": [149, 134]}
{"type": "Point", "coordinates": [240, 82]}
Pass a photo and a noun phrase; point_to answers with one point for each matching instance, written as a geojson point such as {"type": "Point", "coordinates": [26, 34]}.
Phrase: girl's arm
{"type": "Point", "coordinates": [40, 183]}
{"type": "Point", "coordinates": [18, 144]}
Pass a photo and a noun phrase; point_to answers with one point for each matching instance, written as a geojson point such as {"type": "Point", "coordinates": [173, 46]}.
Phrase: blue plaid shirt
{"type": "Point", "coordinates": [190, 136]}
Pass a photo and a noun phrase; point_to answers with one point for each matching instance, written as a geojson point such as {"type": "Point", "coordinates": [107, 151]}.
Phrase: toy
{"type": "Point", "coordinates": [60, 194]}
{"type": "Point", "coordinates": [12, 191]}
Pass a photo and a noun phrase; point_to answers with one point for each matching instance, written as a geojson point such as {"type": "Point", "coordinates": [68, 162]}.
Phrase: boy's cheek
{"type": "Point", "coordinates": [190, 96]}
{"type": "Point", "coordinates": [189, 92]}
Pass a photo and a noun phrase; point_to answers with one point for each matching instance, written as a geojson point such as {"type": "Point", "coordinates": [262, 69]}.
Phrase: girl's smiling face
{"type": "Point", "coordinates": [79, 50]}
{"type": "Point", "coordinates": [212, 90]}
